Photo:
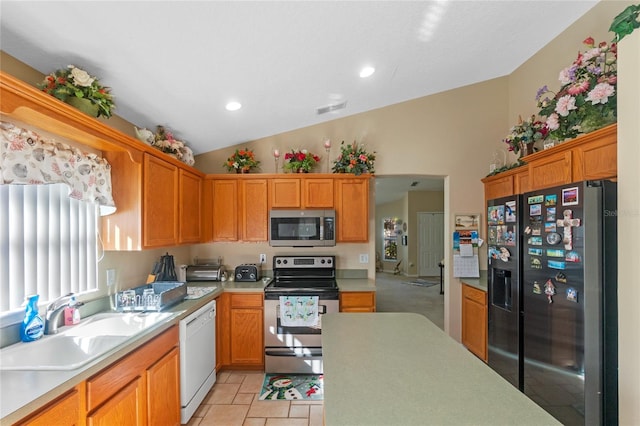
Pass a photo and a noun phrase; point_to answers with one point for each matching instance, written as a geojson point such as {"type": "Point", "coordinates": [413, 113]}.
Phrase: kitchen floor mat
{"type": "Point", "coordinates": [422, 282]}
{"type": "Point", "coordinates": [279, 386]}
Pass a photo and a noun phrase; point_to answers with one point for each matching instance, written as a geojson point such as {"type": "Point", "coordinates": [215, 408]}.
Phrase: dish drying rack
{"type": "Point", "coordinates": [151, 297]}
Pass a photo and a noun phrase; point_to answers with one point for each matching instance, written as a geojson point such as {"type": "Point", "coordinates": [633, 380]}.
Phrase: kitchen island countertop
{"type": "Point", "coordinates": [399, 368]}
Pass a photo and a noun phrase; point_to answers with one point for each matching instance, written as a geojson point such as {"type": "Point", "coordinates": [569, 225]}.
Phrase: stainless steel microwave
{"type": "Point", "coordinates": [302, 228]}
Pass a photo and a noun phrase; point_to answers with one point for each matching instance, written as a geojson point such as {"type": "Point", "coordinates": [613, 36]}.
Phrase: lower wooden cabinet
{"type": "Point", "coordinates": [357, 301]}
{"type": "Point", "coordinates": [240, 331]}
{"type": "Point", "coordinates": [65, 410]}
{"type": "Point", "coordinates": [141, 388]}
{"type": "Point", "coordinates": [474, 320]}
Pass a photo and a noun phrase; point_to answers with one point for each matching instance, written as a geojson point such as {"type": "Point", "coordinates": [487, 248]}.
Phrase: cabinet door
{"type": "Point", "coordinates": [160, 205]}
{"type": "Point", "coordinates": [357, 301]}
{"type": "Point", "coordinates": [64, 411]}
{"type": "Point", "coordinates": [247, 346]}
{"type": "Point", "coordinates": [285, 193]}
{"type": "Point", "coordinates": [352, 210]}
{"type": "Point", "coordinates": [190, 206]}
{"type": "Point", "coordinates": [474, 321]}
{"type": "Point", "coordinates": [125, 408]}
{"type": "Point", "coordinates": [317, 193]}
{"type": "Point", "coordinates": [163, 396]}
{"type": "Point", "coordinates": [225, 210]}
{"type": "Point", "coordinates": [255, 212]}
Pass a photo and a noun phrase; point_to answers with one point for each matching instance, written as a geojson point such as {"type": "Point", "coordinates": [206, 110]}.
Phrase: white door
{"type": "Point", "coordinates": [430, 243]}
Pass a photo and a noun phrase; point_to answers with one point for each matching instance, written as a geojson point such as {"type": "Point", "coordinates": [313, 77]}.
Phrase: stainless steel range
{"type": "Point", "coordinates": [304, 288]}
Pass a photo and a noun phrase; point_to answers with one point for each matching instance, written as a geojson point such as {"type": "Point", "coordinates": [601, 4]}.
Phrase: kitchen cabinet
{"type": "Point", "coordinates": [357, 301]}
{"type": "Point", "coordinates": [145, 182]}
{"type": "Point", "coordinates": [65, 410]}
{"type": "Point", "coordinates": [587, 157]}
{"type": "Point", "coordinates": [254, 210]}
{"type": "Point", "coordinates": [239, 331]}
{"type": "Point", "coordinates": [352, 209]}
{"type": "Point", "coordinates": [141, 388]}
{"type": "Point", "coordinates": [238, 209]}
{"type": "Point", "coordinates": [474, 320]}
{"type": "Point", "coordinates": [304, 192]}
{"type": "Point", "coordinates": [160, 202]}
{"type": "Point", "coordinates": [190, 206]}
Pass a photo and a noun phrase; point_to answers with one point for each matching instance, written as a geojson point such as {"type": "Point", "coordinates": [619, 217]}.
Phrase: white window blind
{"type": "Point", "coordinates": [49, 244]}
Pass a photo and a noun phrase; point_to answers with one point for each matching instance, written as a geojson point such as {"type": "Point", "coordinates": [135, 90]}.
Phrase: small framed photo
{"type": "Point", "coordinates": [570, 196]}
{"type": "Point", "coordinates": [467, 221]}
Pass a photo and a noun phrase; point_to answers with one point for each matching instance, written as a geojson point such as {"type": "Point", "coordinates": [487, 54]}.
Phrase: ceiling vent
{"type": "Point", "coordinates": [414, 183]}
{"type": "Point", "coordinates": [331, 108]}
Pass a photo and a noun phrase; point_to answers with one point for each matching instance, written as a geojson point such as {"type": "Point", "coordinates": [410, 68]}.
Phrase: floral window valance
{"type": "Point", "coordinates": [27, 158]}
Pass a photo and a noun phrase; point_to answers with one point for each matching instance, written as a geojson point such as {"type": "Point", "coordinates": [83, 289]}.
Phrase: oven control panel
{"type": "Point", "coordinates": [304, 262]}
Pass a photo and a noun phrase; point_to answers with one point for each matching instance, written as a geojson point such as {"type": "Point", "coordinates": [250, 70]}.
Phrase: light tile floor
{"type": "Point", "coordinates": [234, 401]}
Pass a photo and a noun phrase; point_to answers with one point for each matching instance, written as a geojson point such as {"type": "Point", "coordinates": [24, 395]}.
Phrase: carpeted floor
{"type": "Point", "coordinates": [392, 295]}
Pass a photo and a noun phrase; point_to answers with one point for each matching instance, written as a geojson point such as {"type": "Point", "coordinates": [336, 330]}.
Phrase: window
{"type": "Point", "coordinates": [49, 244]}
{"type": "Point", "coordinates": [390, 239]}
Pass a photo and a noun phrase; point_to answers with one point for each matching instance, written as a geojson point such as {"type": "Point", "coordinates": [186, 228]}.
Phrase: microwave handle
{"type": "Point", "coordinates": [321, 228]}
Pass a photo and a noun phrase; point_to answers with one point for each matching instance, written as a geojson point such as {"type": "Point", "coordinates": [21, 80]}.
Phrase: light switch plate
{"type": "Point", "coordinates": [364, 258]}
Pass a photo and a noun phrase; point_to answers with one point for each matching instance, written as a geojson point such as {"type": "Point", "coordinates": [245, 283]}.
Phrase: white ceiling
{"type": "Point", "coordinates": [177, 63]}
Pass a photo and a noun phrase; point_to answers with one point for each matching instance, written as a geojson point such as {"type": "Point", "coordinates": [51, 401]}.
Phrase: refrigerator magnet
{"type": "Point", "coordinates": [573, 257]}
{"type": "Point", "coordinates": [536, 263]}
{"type": "Point", "coordinates": [510, 211]}
{"type": "Point", "coordinates": [556, 264]}
{"type": "Point", "coordinates": [504, 254]}
{"type": "Point", "coordinates": [527, 230]}
{"type": "Point", "coordinates": [535, 210]}
{"type": "Point", "coordinates": [555, 253]}
{"type": "Point", "coordinates": [535, 251]}
{"type": "Point", "coordinates": [572, 295]}
{"type": "Point", "coordinates": [536, 288]}
{"type": "Point", "coordinates": [551, 214]}
{"type": "Point", "coordinates": [549, 227]}
{"type": "Point", "coordinates": [570, 196]}
{"type": "Point", "coordinates": [535, 199]}
{"type": "Point", "coordinates": [535, 241]}
{"type": "Point", "coordinates": [550, 200]}
{"type": "Point", "coordinates": [549, 290]}
{"type": "Point", "coordinates": [561, 277]}
{"type": "Point", "coordinates": [553, 238]}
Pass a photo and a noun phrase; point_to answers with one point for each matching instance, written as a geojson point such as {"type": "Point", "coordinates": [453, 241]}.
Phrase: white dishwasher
{"type": "Point", "coordinates": [197, 358]}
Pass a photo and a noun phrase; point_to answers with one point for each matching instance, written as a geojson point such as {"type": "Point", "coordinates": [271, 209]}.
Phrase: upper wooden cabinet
{"type": "Point", "coordinates": [149, 187]}
{"type": "Point", "coordinates": [301, 192]}
{"type": "Point", "coordinates": [352, 209]}
{"type": "Point", "coordinates": [160, 202]}
{"type": "Point", "coordinates": [224, 211]}
{"type": "Point", "coordinates": [254, 210]}
{"type": "Point", "coordinates": [587, 157]}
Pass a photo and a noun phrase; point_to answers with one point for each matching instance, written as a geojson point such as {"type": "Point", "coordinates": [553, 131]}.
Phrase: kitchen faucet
{"type": "Point", "coordinates": [54, 310]}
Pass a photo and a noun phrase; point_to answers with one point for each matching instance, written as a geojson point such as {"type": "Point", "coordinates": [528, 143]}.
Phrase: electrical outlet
{"type": "Point", "coordinates": [364, 258]}
{"type": "Point", "coordinates": [263, 258]}
{"type": "Point", "coordinates": [111, 277]}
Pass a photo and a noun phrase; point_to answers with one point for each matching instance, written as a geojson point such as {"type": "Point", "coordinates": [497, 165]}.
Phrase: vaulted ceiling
{"type": "Point", "coordinates": [177, 63]}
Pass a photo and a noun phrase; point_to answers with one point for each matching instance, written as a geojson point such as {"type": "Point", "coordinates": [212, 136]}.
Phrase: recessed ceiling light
{"type": "Point", "coordinates": [233, 106]}
{"type": "Point", "coordinates": [367, 72]}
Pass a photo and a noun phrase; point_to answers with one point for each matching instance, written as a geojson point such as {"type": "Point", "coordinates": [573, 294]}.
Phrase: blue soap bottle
{"type": "Point", "coordinates": [32, 327]}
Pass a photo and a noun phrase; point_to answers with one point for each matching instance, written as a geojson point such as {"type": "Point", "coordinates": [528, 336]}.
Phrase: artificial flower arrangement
{"type": "Point", "coordinates": [69, 83]}
{"type": "Point", "coordinates": [164, 141]}
{"type": "Point", "coordinates": [354, 159]}
{"type": "Point", "coordinates": [242, 161]}
{"type": "Point", "coordinates": [587, 99]}
{"type": "Point", "coordinates": [300, 161]}
{"type": "Point", "coordinates": [526, 132]}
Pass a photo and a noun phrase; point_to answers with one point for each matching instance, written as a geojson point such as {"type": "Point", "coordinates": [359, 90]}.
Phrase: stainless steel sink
{"type": "Point", "coordinates": [78, 345]}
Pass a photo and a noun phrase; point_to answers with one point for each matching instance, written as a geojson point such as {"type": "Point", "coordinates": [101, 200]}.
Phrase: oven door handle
{"type": "Point", "coordinates": [322, 309]}
{"type": "Point", "coordinates": [312, 352]}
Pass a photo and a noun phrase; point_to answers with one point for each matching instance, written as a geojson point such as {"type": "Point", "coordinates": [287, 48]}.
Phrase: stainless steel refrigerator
{"type": "Point", "coordinates": [504, 345]}
{"type": "Point", "coordinates": [569, 301]}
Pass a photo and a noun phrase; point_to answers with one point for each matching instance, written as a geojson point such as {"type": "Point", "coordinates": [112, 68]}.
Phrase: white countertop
{"type": "Point", "coordinates": [400, 369]}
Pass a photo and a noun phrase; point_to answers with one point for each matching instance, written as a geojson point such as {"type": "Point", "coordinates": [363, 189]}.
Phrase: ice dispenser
{"type": "Point", "coordinates": [501, 288]}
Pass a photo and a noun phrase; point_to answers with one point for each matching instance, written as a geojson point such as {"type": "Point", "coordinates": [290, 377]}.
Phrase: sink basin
{"type": "Point", "coordinates": [77, 345]}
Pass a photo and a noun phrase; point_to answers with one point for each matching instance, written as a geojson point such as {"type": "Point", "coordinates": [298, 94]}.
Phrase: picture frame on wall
{"type": "Point", "coordinates": [467, 221]}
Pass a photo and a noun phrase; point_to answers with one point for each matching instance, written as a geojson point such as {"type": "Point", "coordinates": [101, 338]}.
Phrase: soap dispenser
{"type": "Point", "coordinates": [71, 312]}
{"type": "Point", "coordinates": [32, 327]}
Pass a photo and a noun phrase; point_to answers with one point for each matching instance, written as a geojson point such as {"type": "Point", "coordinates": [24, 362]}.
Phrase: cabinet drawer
{"type": "Point", "coordinates": [115, 377]}
{"type": "Point", "coordinates": [357, 299]}
{"type": "Point", "coordinates": [246, 300]}
{"type": "Point", "coordinates": [474, 294]}
{"type": "Point", "coordinates": [63, 411]}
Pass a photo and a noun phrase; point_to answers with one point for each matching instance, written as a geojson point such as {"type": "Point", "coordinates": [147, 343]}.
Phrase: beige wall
{"type": "Point", "coordinates": [629, 228]}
